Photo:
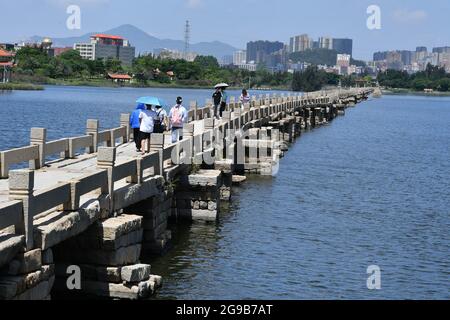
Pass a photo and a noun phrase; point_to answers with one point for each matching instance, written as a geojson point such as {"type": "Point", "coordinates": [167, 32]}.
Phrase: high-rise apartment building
{"type": "Point", "coordinates": [258, 51]}
{"type": "Point", "coordinates": [240, 57]}
{"type": "Point", "coordinates": [300, 43]}
{"type": "Point", "coordinates": [343, 46]}
{"type": "Point", "coordinates": [326, 43]}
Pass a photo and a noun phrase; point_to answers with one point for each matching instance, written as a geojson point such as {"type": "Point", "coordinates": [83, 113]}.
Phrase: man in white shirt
{"type": "Point", "coordinates": [147, 119]}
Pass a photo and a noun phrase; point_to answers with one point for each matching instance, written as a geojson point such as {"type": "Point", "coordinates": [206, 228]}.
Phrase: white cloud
{"type": "Point", "coordinates": [413, 16]}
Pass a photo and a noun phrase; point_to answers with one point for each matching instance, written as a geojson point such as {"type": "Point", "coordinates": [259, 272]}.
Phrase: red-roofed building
{"type": "Point", "coordinates": [120, 78]}
{"type": "Point", "coordinates": [6, 64]}
{"type": "Point", "coordinates": [104, 46]}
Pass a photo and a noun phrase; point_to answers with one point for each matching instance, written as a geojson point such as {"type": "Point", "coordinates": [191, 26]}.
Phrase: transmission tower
{"type": "Point", "coordinates": [187, 38]}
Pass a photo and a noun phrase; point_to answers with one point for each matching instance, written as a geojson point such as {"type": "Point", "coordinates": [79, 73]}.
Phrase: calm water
{"type": "Point", "coordinates": [372, 188]}
{"type": "Point", "coordinates": [64, 110]}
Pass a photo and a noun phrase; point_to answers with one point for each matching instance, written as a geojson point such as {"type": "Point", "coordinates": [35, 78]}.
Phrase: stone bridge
{"type": "Point", "coordinates": [89, 207]}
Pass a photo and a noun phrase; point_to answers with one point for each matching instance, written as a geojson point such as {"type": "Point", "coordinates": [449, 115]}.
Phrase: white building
{"type": "Point", "coordinates": [104, 46]}
{"type": "Point", "coordinates": [248, 66]}
{"type": "Point", "coordinates": [300, 43]}
{"type": "Point", "coordinates": [240, 57]}
{"type": "Point", "coordinates": [326, 43]}
{"type": "Point", "coordinates": [343, 63]}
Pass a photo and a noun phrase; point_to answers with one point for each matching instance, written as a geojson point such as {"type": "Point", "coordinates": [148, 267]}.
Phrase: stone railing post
{"type": "Point", "coordinates": [21, 185]}
{"type": "Point", "coordinates": [125, 122]}
{"type": "Point", "coordinates": [238, 115]}
{"type": "Point", "coordinates": [106, 159]}
{"type": "Point", "coordinates": [92, 130]}
{"type": "Point", "coordinates": [232, 104]}
{"type": "Point", "coordinates": [226, 117]}
{"type": "Point", "coordinates": [157, 145]}
{"type": "Point", "coordinates": [193, 106]}
{"type": "Point", "coordinates": [38, 137]}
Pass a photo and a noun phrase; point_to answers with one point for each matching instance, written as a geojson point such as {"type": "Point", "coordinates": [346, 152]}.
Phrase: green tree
{"type": "Point", "coordinates": [208, 62]}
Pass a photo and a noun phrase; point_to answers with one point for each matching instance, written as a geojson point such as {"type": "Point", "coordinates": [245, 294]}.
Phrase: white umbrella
{"type": "Point", "coordinates": [221, 85]}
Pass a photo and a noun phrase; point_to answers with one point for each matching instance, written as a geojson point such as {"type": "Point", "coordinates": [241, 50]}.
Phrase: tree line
{"type": "Point", "coordinates": [433, 77]}
{"type": "Point", "coordinates": [35, 63]}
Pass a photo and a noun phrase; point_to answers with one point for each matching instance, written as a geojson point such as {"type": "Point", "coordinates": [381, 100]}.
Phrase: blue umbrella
{"type": "Point", "coordinates": [154, 101]}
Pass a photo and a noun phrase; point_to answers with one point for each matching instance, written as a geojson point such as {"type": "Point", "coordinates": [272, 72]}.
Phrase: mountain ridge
{"type": "Point", "coordinates": [146, 43]}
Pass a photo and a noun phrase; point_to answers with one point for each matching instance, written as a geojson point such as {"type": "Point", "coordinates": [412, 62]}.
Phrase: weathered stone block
{"type": "Point", "coordinates": [120, 257]}
{"type": "Point", "coordinates": [59, 226]}
{"type": "Point", "coordinates": [120, 291]}
{"type": "Point", "coordinates": [93, 273]}
{"type": "Point", "coordinates": [198, 215]}
{"type": "Point", "coordinates": [10, 245]}
{"type": "Point", "coordinates": [39, 292]}
{"type": "Point", "coordinates": [204, 178]}
{"type": "Point", "coordinates": [116, 227]}
{"type": "Point", "coordinates": [29, 261]}
{"type": "Point", "coordinates": [136, 273]}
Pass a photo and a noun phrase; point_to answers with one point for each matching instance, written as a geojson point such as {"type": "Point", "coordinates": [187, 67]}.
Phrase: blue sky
{"type": "Point", "coordinates": [405, 23]}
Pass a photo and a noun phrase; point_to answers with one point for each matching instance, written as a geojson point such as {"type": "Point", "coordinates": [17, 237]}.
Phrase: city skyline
{"type": "Point", "coordinates": [256, 22]}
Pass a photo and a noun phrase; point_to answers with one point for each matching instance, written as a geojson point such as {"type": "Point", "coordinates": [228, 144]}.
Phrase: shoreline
{"type": "Point", "coordinates": [20, 87]}
{"type": "Point", "coordinates": [393, 92]}
{"type": "Point", "coordinates": [38, 85]}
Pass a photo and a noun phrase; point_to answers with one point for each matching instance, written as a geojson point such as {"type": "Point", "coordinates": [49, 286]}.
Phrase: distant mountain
{"type": "Point", "coordinates": [146, 43]}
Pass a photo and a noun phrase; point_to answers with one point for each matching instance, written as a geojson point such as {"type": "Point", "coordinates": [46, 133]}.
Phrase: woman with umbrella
{"type": "Point", "coordinates": [147, 119]}
{"type": "Point", "coordinates": [220, 99]}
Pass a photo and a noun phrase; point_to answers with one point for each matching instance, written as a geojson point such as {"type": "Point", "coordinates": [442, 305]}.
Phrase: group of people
{"type": "Point", "coordinates": [148, 119]}
{"type": "Point", "coordinates": [220, 100]}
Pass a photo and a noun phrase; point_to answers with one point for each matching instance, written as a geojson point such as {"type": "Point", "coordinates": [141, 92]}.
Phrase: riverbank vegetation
{"type": "Point", "coordinates": [34, 65]}
{"type": "Point", "coordinates": [433, 77]}
{"type": "Point", "coordinates": [313, 79]}
{"type": "Point", "coordinates": [19, 86]}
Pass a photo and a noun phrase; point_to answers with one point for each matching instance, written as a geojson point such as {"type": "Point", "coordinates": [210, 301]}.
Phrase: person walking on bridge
{"type": "Point", "coordinates": [147, 119]}
{"type": "Point", "coordinates": [178, 117]}
{"type": "Point", "coordinates": [217, 99]}
{"type": "Point", "coordinates": [245, 97]}
{"type": "Point", "coordinates": [223, 103]}
{"type": "Point", "coordinates": [136, 125]}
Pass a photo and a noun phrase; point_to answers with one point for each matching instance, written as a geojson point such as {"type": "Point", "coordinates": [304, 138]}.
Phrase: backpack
{"type": "Point", "coordinates": [159, 127]}
{"type": "Point", "coordinates": [177, 117]}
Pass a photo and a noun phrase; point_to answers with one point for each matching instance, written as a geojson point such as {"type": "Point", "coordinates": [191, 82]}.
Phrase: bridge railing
{"type": "Point", "coordinates": [25, 204]}
{"type": "Point", "coordinates": [40, 150]}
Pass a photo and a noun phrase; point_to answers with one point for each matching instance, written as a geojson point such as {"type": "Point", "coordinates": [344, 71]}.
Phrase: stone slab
{"type": "Point", "coordinates": [60, 226]}
{"type": "Point", "coordinates": [122, 256]}
{"type": "Point", "coordinates": [114, 228]}
{"type": "Point", "coordinates": [10, 245]}
{"type": "Point", "coordinates": [135, 273]}
{"type": "Point", "coordinates": [120, 291]}
{"type": "Point", "coordinates": [29, 261]}
{"type": "Point", "coordinates": [199, 215]}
